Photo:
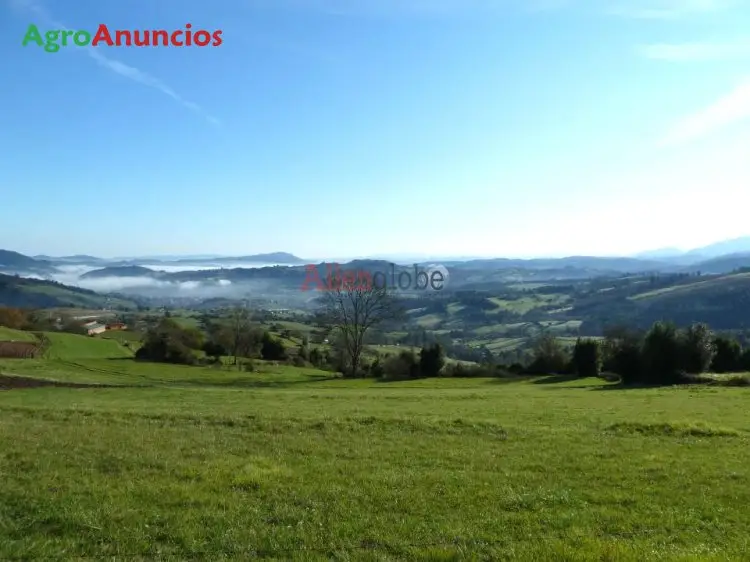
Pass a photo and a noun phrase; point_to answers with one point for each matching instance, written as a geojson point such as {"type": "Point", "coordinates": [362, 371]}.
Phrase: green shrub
{"type": "Point", "coordinates": [728, 355]}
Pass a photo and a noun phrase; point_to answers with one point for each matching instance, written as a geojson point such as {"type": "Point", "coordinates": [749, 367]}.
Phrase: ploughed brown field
{"type": "Point", "coordinates": [19, 349]}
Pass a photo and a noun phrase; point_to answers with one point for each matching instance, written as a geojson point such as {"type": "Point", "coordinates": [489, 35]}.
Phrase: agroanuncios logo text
{"type": "Point", "coordinates": [53, 39]}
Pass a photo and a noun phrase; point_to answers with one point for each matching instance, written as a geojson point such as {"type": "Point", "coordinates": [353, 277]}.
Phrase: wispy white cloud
{"type": "Point", "coordinates": [671, 9]}
{"type": "Point", "coordinates": [141, 77]}
{"type": "Point", "coordinates": [124, 70]}
{"type": "Point", "coordinates": [696, 52]}
{"type": "Point", "coordinates": [727, 110]}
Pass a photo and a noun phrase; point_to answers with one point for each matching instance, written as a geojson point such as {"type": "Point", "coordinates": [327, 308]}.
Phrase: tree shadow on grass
{"type": "Point", "coordinates": [484, 379]}
{"type": "Point", "coordinates": [680, 381]}
{"type": "Point", "coordinates": [554, 379]}
{"type": "Point", "coordinates": [601, 384]}
{"type": "Point", "coordinates": [399, 379]}
{"type": "Point", "coordinates": [508, 380]}
{"type": "Point", "coordinates": [621, 386]}
{"type": "Point", "coordinates": [252, 380]}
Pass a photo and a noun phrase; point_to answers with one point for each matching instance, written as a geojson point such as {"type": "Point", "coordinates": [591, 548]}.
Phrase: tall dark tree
{"type": "Point", "coordinates": [214, 349]}
{"type": "Point", "coordinates": [662, 354]}
{"type": "Point", "coordinates": [698, 348]}
{"type": "Point", "coordinates": [622, 353]}
{"type": "Point", "coordinates": [431, 360]}
{"type": "Point", "coordinates": [587, 358]}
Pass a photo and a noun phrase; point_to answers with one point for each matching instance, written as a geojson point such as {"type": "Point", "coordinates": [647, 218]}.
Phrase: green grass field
{"type": "Point", "coordinates": [122, 336]}
{"type": "Point", "coordinates": [526, 304]}
{"type": "Point", "coordinates": [304, 329]}
{"type": "Point", "coordinates": [7, 334]}
{"type": "Point", "coordinates": [291, 464]}
{"type": "Point", "coordinates": [74, 347]}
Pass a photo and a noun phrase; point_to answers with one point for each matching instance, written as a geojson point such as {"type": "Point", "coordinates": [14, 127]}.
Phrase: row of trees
{"type": "Point", "coordinates": [428, 363]}
{"type": "Point", "coordinates": [38, 320]}
{"type": "Point", "coordinates": [664, 354]}
{"type": "Point", "coordinates": [667, 355]}
{"type": "Point", "coordinates": [169, 342]}
{"type": "Point", "coordinates": [14, 318]}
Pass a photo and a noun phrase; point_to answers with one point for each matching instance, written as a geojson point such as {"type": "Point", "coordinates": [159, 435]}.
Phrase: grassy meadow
{"type": "Point", "coordinates": [8, 334]}
{"type": "Point", "coordinates": [295, 464]}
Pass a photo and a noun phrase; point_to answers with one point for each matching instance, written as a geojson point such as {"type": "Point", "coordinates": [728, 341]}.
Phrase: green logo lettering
{"type": "Point", "coordinates": [52, 37]}
{"type": "Point", "coordinates": [32, 34]}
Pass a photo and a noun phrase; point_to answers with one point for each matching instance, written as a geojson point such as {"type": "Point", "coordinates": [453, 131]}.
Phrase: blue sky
{"type": "Point", "coordinates": [347, 128]}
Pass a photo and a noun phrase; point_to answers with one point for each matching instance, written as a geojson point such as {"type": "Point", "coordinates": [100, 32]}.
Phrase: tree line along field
{"type": "Point", "coordinates": [296, 464]}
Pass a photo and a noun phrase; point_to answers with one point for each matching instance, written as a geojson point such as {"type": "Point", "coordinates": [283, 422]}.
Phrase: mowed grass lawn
{"type": "Point", "coordinates": [289, 464]}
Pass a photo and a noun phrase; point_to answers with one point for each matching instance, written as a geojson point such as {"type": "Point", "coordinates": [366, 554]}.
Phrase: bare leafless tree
{"type": "Point", "coordinates": [353, 310]}
{"type": "Point", "coordinates": [239, 328]}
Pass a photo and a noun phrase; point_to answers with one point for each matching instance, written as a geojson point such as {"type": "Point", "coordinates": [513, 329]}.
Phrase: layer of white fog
{"type": "Point", "coordinates": [258, 288]}
{"type": "Point", "coordinates": [71, 275]}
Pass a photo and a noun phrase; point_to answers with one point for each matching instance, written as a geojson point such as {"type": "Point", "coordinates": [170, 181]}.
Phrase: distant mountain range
{"type": "Point", "coordinates": [13, 262]}
{"type": "Point", "coordinates": [71, 259]}
{"type": "Point", "coordinates": [160, 274]}
{"type": "Point", "coordinates": [82, 259]}
{"type": "Point", "coordinates": [725, 247]}
{"type": "Point", "coordinates": [663, 256]}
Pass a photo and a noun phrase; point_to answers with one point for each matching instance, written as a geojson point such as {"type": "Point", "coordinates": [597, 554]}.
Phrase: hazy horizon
{"type": "Point", "coordinates": [207, 256]}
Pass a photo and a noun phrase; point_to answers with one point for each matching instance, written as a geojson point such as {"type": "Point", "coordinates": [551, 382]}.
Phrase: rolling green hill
{"type": "Point", "coordinates": [13, 261]}
{"type": "Point", "coordinates": [72, 346]}
{"type": "Point", "coordinates": [699, 288]}
{"type": "Point", "coordinates": [123, 271]}
{"type": "Point", "coordinates": [7, 334]}
{"type": "Point", "coordinates": [36, 293]}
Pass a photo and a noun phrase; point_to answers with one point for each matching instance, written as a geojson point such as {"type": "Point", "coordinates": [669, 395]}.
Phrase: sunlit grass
{"type": "Point", "coordinates": [292, 464]}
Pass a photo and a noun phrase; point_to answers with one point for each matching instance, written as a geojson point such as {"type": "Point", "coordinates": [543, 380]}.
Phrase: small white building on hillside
{"type": "Point", "coordinates": [95, 328]}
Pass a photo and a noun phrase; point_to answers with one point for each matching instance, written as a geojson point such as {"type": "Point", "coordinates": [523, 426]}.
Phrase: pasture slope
{"type": "Point", "coordinates": [292, 464]}
{"type": "Point", "coordinates": [7, 334]}
{"type": "Point", "coordinates": [19, 344]}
